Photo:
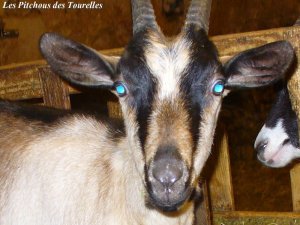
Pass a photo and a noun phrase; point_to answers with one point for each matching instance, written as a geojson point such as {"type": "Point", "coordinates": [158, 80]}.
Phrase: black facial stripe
{"type": "Point", "coordinates": [143, 121]}
{"type": "Point", "coordinates": [291, 127]}
{"type": "Point", "coordinates": [139, 80]}
{"type": "Point", "coordinates": [116, 129]}
{"type": "Point", "coordinates": [194, 85]}
{"type": "Point", "coordinates": [280, 107]}
{"type": "Point", "coordinates": [194, 111]}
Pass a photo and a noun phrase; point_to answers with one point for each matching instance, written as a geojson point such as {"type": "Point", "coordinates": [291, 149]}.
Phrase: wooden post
{"type": "Point", "coordinates": [203, 212]}
{"type": "Point", "coordinates": [295, 185]}
{"type": "Point", "coordinates": [220, 183]}
{"type": "Point", "coordinates": [55, 92]}
{"type": "Point", "coordinates": [294, 89]}
{"type": "Point", "coordinates": [114, 109]}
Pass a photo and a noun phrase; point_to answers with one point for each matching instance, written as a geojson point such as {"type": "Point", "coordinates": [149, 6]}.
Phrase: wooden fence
{"type": "Point", "coordinates": [35, 80]}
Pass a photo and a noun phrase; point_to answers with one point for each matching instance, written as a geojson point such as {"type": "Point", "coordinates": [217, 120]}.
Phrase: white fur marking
{"type": "Point", "coordinates": [276, 154]}
{"type": "Point", "coordinates": [167, 64]}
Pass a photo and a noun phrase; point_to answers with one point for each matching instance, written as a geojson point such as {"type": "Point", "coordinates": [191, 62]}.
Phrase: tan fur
{"type": "Point", "coordinates": [71, 173]}
{"type": "Point", "coordinates": [169, 125]}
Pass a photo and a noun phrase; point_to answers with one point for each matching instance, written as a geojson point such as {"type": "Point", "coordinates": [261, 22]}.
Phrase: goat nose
{"type": "Point", "coordinates": [167, 166]}
{"type": "Point", "coordinates": [167, 174]}
{"type": "Point", "coordinates": [260, 149]}
{"type": "Point", "coordinates": [261, 146]}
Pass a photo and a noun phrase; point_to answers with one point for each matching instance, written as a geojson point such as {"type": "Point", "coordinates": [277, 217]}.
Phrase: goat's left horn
{"type": "Point", "coordinates": [198, 14]}
{"type": "Point", "coordinates": [143, 15]}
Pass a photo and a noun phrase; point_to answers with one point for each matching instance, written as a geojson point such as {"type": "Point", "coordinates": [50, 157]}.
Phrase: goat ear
{"type": "Point", "coordinates": [260, 66]}
{"type": "Point", "coordinates": [77, 63]}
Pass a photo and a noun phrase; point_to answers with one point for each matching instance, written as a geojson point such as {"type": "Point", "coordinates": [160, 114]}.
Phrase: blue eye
{"type": "Point", "coordinates": [218, 87]}
{"type": "Point", "coordinates": [120, 89]}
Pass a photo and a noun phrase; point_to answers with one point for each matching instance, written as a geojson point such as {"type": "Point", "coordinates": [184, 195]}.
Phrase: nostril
{"type": "Point", "coordinates": [261, 146]}
{"type": "Point", "coordinates": [167, 174]}
{"type": "Point", "coordinates": [286, 141]}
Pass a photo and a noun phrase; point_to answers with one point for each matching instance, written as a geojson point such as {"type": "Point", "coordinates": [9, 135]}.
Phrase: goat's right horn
{"type": "Point", "coordinates": [143, 15]}
{"type": "Point", "coordinates": [198, 14]}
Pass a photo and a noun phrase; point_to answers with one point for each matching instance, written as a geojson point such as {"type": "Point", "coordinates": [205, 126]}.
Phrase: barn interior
{"type": "Point", "coordinates": [255, 187]}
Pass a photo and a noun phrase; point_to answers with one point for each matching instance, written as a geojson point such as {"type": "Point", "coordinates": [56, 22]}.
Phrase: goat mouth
{"type": "Point", "coordinates": [167, 203]}
{"type": "Point", "coordinates": [276, 159]}
{"type": "Point", "coordinates": [268, 162]}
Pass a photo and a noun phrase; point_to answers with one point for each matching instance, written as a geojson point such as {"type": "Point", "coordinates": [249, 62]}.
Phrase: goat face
{"type": "Point", "coordinates": [170, 93]}
{"type": "Point", "coordinates": [277, 143]}
{"type": "Point", "coordinates": [174, 107]}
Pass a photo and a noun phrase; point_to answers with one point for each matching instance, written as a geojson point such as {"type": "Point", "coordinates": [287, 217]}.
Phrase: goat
{"type": "Point", "coordinates": [277, 143]}
{"type": "Point", "coordinates": [70, 169]}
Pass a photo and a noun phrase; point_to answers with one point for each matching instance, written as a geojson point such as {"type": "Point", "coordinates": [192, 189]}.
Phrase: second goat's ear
{"type": "Point", "coordinates": [260, 66]}
{"type": "Point", "coordinates": [77, 63]}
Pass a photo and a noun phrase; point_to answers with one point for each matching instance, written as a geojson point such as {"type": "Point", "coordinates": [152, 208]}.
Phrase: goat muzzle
{"type": "Point", "coordinates": [168, 177]}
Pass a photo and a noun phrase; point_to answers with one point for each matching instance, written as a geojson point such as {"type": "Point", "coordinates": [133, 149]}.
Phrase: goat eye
{"type": "Point", "coordinates": [218, 87]}
{"type": "Point", "coordinates": [120, 88]}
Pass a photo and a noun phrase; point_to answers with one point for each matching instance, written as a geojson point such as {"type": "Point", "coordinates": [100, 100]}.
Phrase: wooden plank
{"type": "Point", "coordinates": [112, 52]}
{"type": "Point", "coordinates": [21, 81]}
{"type": "Point", "coordinates": [220, 183]}
{"type": "Point", "coordinates": [25, 82]}
{"type": "Point", "coordinates": [55, 92]}
{"type": "Point", "coordinates": [234, 43]}
{"type": "Point", "coordinates": [255, 218]}
{"type": "Point", "coordinates": [295, 186]}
